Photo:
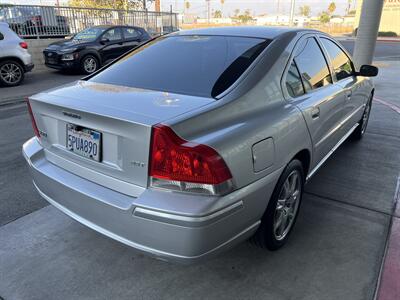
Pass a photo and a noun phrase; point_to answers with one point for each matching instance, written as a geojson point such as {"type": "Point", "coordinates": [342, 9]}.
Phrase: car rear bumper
{"type": "Point", "coordinates": [179, 237]}
{"type": "Point", "coordinates": [29, 67]}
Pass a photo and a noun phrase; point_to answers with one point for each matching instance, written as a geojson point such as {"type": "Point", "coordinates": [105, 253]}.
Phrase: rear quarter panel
{"type": "Point", "coordinates": [232, 127]}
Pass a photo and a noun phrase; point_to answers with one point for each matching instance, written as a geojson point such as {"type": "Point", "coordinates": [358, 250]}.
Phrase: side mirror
{"type": "Point", "coordinates": [104, 40]}
{"type": "Point", "coordinates": [368, 71]}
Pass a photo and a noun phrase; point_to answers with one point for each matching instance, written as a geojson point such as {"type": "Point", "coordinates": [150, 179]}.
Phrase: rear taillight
{"type": "Point", "coordinates": [24, 45]}
{"type": "Point", "coordinates": [34, 126]}
{"type": "Point", "coordinates": [186, 166]}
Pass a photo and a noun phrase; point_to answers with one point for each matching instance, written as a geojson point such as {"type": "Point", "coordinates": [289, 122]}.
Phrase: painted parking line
{"type": "Point", "coordinates": [388, 104]}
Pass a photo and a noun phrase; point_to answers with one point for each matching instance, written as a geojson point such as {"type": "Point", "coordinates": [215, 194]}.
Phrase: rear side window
{"type": "Point", "coordinates": [339, 60]}
{"type": "Point", "coordinates": [312, 65]}
{"type": "Point", "coordinates": [113, 34]}
{"type": "Point", "coordinates": [293, 81]}
{"type": "Point", "coordinates": [130, 33]}
{"type": "Point", "coordinates": [192, 65]}
{"type": "Point", "coordinates": [1, 36]}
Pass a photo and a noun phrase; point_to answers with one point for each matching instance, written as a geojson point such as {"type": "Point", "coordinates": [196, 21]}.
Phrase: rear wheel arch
{"type": "Point", "coordinates": [304, 156]}
{"type": "Point", "coordinates": [13, 58]}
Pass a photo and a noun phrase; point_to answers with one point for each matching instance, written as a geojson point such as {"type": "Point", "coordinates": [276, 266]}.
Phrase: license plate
{"type": "Point", "coordinates": [84, 141]}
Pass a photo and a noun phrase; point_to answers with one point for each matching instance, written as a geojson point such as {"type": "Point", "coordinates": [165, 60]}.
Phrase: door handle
{"type": "Point", "coordinates": [348, 94]}
{"type": "Point", "coordinates": [315, 113]}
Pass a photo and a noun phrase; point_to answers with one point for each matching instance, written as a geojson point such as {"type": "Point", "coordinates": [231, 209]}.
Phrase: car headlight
{"type": "Point", "coordinates": [69, 56]}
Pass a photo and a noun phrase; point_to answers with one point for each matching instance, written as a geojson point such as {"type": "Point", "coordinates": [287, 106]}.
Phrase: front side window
{"type": "Point", "coordinates": [340, 61]}
{"type": "Point", "coordinates": [191, 65]}
{"type": "Point", "coordinates": [312, 65]}
{"type": "Point", "coordinates": [113, 34]}
{"type": "Point", "coordinates": [293, 81]}
{"type": "Point", "coordinates": [89, 34]}
{"type": "Point", "coordinates": [1, 36]}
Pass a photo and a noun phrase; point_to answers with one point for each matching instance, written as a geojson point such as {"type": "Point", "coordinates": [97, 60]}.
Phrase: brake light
{"type": "Point", "coordinates": [24, 45]}
{"type": "Point", "coordinates": [34, 126]}
{"type": "Point", "coordinates": [187, 166]}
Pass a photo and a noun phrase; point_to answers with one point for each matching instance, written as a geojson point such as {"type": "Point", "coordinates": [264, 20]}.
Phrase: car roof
{"type": "Point", "coordinates": [112, 26]}
{"type": "Point", "coordinates": [265, 32]}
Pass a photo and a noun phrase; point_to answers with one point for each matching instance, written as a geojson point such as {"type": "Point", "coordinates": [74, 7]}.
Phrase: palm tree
{"type": "Point", "coordinates": [222, 7]}
{"type": "Point", "coordinates": [331, 8]}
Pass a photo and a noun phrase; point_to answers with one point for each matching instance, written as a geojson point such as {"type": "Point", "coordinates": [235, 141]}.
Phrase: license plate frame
{"type": "Point", "coordinates": [84, 142]}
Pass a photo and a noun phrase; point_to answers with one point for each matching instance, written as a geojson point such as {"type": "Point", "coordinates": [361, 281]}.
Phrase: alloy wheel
{"type": "Point", "coordinates": [365, 117]}
{"type": "Point", "coordinates": [10, 73]}
{"type": "Point", "coordinates": [287, 205]}
{"type": "Point", "coordinates": [90, 64]}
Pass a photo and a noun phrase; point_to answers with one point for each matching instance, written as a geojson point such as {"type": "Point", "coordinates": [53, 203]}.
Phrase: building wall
{"type": "Point", "coordinates": [35, 48]}
{"type": "Point", "coordinates": [390, 20]}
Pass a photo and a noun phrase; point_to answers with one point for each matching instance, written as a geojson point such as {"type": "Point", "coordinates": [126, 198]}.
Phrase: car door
{"type": "Point", "coordinates": [132, 38]}
{"type": "Point", "coordinates": [309, 85]}
{"type": "Point", "coordinates": [1, 42]}
{"type": "Point", "coordinates": [112, 44]}
{"type": "Point", "coordinates": [344, 75]}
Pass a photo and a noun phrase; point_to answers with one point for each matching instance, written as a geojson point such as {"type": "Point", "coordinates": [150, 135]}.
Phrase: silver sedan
{"type": "Point", "coordinates": [198, 140]}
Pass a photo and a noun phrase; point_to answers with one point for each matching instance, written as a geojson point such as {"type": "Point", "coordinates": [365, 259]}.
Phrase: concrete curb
{"type": "Point", "coordinates": [389, 282]}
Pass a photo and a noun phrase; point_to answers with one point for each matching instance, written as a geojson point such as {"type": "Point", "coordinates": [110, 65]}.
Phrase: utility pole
{"type": "Point", "coordinates": [208, 11]}
{"type": "Point", "coordinates": [367, 32]}
{"type": "Point", "coordinates": [292, 6]}
{"type": "Point", "coordinates": [278, 8]}
{"type": "Point", "coordinates": [144, 5]}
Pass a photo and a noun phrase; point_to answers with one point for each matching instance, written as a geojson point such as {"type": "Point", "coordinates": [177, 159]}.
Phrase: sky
{"type": "Point", "coordinates": [257, 7]}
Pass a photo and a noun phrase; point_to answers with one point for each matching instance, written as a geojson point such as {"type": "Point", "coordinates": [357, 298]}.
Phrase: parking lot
{"type": "Point", "coordinates": [336, 251]}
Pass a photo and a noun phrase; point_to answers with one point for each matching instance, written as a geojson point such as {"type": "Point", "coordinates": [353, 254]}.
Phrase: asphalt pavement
{"type": "Point", "coordinates": [335, 252]}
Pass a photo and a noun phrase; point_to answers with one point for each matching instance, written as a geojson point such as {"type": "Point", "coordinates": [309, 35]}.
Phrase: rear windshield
{"type": "Point", "coordinates": [191, 65]}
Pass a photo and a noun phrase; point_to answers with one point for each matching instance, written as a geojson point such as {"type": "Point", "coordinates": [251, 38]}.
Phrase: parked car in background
{"type": "Point", "coordinates": [199, 139]}
{"type": "Point", "coordinates": [32, 21]}
{"type": "Point", "coordinates": [15, 59]}
{"type": "Point", "coordinates": [93, 47]}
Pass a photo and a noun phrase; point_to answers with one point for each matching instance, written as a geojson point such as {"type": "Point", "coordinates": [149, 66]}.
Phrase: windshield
{"type": "Point", "coordinates": [192, 65]}
{"type": "Point", "coordinates": [89, 34]}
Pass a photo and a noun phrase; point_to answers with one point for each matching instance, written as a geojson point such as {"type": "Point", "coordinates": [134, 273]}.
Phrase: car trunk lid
{"type": "Point", "coordinates": [123, 116]}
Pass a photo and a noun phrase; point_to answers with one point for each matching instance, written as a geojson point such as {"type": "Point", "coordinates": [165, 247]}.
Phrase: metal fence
{"type": "Point", "coordinates": [33, 21]}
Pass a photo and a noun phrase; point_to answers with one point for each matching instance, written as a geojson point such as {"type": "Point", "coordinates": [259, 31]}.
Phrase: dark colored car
{"type": "Point", "coordinates": [31, 21]}
{"type": "Point", "coordinates": [93, 47]}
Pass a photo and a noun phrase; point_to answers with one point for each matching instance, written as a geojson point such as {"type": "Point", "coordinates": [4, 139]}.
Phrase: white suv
{"type": "Point", "coordinates": [15, 59]}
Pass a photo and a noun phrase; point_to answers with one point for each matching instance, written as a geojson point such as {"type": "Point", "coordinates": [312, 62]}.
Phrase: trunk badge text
{"type": "Point", "coordinates": [72, 115]}
{"type": "Point", "coordinates": [138, 164]}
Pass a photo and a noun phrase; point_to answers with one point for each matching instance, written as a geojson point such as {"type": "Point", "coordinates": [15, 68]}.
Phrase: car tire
{"type": "Point", "coordinates": [11, 73]}
{"type": "Point", "coordinates": [89, 64]}
{"type": "Point", "coordinates": [358, 133]}
{"type": "Point", "coordinates": [283, 208]}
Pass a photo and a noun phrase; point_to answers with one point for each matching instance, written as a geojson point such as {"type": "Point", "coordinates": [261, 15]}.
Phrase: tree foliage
{"type": "Point", "coordinates": [111, 4]}
{"type": "Point", "coordinates": [305, 10]}
{"type": "Point", "coordinates": [331, 8]}
{"type": "Point", "coordinates": [244, 17]}
{"type": "Point", "coordinates": [217, 14]}
{"type": "Point", "coordinates": [324, 17]}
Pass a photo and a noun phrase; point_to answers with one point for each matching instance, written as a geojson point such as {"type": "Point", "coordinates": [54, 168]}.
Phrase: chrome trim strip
{"type": "Point", "coordinates": [331, 152]}
{"type": "Point", "coordinates": [186, 220]}
{"type": "Point", "coordinates": [338, 126]}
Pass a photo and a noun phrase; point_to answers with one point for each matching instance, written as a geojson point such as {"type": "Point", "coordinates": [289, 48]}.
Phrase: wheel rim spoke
{"type": "Point", "coordinates": [287, 205]}
{"type": "Point", "coordinates": [10, 73]}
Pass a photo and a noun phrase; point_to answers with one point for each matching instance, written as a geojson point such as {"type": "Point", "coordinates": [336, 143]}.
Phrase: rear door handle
{"type": "Point", "coordinates": [348, 94]}
{"type": "Point", "coordinates": [315, 113]}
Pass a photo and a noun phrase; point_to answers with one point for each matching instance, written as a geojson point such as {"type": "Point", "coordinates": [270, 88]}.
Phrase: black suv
{"type": "Point", "coordinates": [93, 47]}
